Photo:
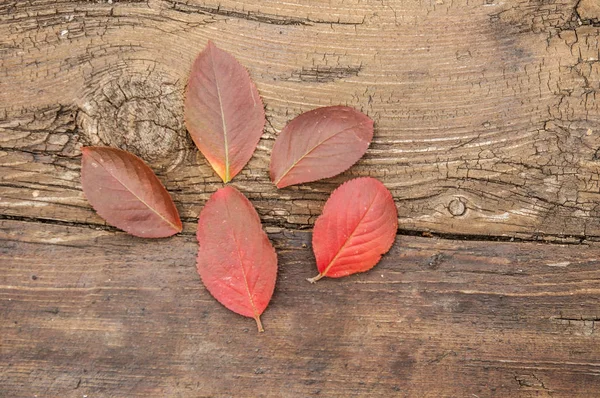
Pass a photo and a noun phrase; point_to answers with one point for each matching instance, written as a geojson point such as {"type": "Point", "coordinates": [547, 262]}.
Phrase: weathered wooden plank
{"type": "Point", "coordinates": [487, 123]}
{"type": "Point", "coordinates": [487, 118]}
{"type": "Point", "coordinates": [100, 313]}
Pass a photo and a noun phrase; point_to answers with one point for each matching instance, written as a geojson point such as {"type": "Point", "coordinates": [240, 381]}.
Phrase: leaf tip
{"type": "Point", "coordinates": [88, 150]}
{"type": "Point", "coordinates": [279, 182]}
{"type": "Point", "coordinates": [179, 228]}
{"type": "Point", "coordinates": [222, 172]}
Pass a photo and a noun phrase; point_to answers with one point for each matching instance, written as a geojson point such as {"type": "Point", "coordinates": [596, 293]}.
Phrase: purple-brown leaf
{"type": "Point", "coordinates": [127, 194]}
{"type": "Point", "coordinates": [223, 111]}
{"type": "Point", "coordinates": [320, 144]}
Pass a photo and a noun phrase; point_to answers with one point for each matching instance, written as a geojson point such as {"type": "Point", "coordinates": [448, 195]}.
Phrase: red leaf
{"type": "Point", "coordinates": [223, 111]}
{"type": "Point", "coordinates": [320, 144]}
{"type": "Point", "coordinates": [236, 261]}
{"type": "Point", "coordinates": [127, 194]}
{"type": "Point", "coordinates": [358, 225]}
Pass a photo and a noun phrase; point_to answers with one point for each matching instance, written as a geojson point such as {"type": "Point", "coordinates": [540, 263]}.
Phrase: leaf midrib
{"type": "Point", "coordinates": [224, 124]}
{"type": "Point", "coordinates": [237, 248]}
{"type": "Point", "coordinates": [324, 273]}
{"type": "Point", "coordinates": [315, 147]}
{"type": "Point", "coordinates": [135, 195]}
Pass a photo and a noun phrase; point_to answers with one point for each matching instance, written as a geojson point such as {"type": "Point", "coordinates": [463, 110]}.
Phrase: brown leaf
{"type": "Point", "coordinates": [320, 144]}
{"type": "Point", "coordinates": [127, 194]}
{"type": "Point", "coordinates": [223, 111]}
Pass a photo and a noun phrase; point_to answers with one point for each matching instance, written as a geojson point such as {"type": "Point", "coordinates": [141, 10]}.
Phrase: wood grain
{"type": "Point", "coordinates": [486, 113]}
{"type": "Point", "coordinates": [100, 313]}
{"type": "Point", "coordinates": [487, 128]}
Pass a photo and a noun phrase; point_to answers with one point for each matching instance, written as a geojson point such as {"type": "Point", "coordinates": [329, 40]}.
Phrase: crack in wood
{"type": "Point", "coordinates": [433, 262]}
{"type": "Point", "coordinates": [252, 16]}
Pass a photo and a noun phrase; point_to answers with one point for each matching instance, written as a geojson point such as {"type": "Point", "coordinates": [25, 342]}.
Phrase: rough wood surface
{"type": "Point", "coordinates": [436, 318]}
{"type": "Point", "coordinates": [487, 118]}
{"type": "Point", "coordinates": [487, 126]}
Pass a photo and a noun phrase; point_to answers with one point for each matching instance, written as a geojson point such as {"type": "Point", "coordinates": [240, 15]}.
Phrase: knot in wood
{"type": "Point", "coordinates": [457, 207]}
{"type": "Point", "coordinates": [139, 113]}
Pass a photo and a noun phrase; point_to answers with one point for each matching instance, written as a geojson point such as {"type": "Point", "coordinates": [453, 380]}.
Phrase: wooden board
{"type": "Point", "coordinates": [487, 118]}
{"type": "Point", "coordinates": [487, 128]}
{"type": "Point", "coordinates": [99, 313]}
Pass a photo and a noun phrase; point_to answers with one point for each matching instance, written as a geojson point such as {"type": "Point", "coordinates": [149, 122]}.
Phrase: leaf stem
{"type": "Point", "coordinates": [259, 323]}
{"type": "Point", "coordinates": [316, 278]}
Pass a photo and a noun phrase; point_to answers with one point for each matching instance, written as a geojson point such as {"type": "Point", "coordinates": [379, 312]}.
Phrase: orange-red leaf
{"type": "Point", "coordinates": [127, 194]}
{"type": "Point", "coordinates": [236, 261]}
{"type": "Point", "coordinates": [320, 144]}
{"type": "Point", "coordinates": [223, 111]}
{"type": "Point", "coordinates": [358, 225]}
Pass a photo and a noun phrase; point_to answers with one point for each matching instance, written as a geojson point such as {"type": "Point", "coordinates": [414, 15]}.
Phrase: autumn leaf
{"type": "Point", "coordinates": [358, 225]}
{"type": "Point", "coordinates": [236, 261]}
{"type": "Point", "coordinates": [320, 144]}
{"type": "Point", "coordinates": [127, 194]}
{"type": "Point", "coordinates": [223, 111]}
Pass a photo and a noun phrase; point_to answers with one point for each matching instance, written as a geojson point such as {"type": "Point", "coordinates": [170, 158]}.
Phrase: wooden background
{"type": "Point", "coordinates": [487, 132]}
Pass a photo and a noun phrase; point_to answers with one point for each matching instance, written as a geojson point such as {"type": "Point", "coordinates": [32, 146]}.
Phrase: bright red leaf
{"type": "Point", "coordinates": [127, 194]}
{"type": "Point", "coordinates": [236, 261]}
{"type": "Point", "coordinates": [223, 111]}
{"type": "Point", "coordinates": [358, 225]}
{"type": "Point", "coordinates": [320, 144]}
